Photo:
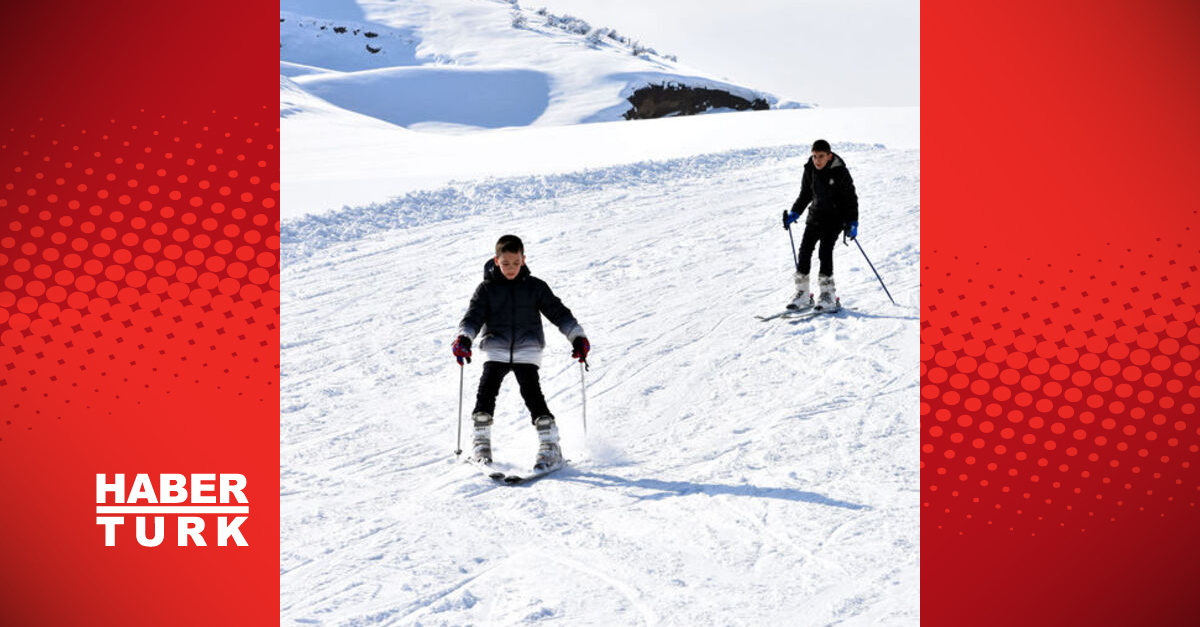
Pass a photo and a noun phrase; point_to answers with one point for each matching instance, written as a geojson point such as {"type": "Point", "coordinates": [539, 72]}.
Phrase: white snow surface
{"type": "Point", "coordinates": [455, 65]}
{"type": "Point", "coordinates": [334, 159]}
{"type": "Point", "coordinates": [734, 472]}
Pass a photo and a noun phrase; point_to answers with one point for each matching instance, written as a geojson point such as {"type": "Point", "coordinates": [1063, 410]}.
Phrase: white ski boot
{"type": "Point", "coordinates": [482, 440]}
{"type": "Point", "coordinates": [549, 454]}
{"type": "Point", "coordinates": [828, 302]}
{"type": "Point", "coordinates": [803, 300]}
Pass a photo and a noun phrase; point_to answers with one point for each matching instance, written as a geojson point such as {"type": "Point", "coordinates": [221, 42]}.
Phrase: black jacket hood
{"type": "Point", "coordinates": [835, 162]}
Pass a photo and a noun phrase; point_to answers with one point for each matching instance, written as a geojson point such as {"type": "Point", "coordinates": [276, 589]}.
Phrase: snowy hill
{"type": "Point", "coordinates": [455, 65]}
{"type": "Point", "coordinates": [734, 472]}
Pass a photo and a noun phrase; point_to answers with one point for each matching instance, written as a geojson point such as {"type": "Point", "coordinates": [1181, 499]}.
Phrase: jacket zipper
{"type": "Point", "coordinates": [512, 335]}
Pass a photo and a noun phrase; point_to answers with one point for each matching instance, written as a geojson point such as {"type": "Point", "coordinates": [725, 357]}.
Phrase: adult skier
{"type": "Point", "coordinates": [827, 192]}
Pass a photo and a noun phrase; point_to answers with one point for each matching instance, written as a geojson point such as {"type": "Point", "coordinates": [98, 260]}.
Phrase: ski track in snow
{"type": "Point", "coordinates": [735, 472]}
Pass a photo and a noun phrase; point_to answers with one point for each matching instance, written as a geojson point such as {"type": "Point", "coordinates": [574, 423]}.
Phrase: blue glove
{"type": "Point", "coordinates": [789, 217]}
{"type": "Point", "coordinates": [852, 230]}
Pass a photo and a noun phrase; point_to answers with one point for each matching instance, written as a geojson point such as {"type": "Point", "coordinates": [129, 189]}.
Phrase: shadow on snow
{"type": "Point", "coordinates": [659, 489]}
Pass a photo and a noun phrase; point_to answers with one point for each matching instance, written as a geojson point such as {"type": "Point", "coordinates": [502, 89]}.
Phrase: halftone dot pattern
{"type": "Point", "coordinates": [1058, 399]}
{"type": "Point", "coordinates": [127, 272]}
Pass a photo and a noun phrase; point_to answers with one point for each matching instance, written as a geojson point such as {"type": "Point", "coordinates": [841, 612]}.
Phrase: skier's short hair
{"type": "Point", "coordinates": [821, 146]}
{"type": "Point", "coordinates": [509, 244]}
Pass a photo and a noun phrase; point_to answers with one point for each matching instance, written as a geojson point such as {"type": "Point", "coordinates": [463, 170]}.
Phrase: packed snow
{"type": "Point", "coordinates": [734, 472]}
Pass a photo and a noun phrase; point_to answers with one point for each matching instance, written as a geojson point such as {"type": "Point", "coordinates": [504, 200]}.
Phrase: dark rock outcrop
{"type": "Point", "coordinates": [656, 101]}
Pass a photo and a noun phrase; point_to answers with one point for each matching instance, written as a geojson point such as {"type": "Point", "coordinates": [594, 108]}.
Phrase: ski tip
{"type": "Point", "coordinates": [537, 473]}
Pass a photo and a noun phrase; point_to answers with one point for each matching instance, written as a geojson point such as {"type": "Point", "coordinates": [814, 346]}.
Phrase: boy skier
{"type": "Point", "coordinates": [834, 210]}
{"type": "Point", "coordinates": [506, 309]}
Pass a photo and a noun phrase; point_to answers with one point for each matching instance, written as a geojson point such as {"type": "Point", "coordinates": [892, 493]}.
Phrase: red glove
{"type": "Point", "coordinates": [580, 347]}
{"type": "Point", "coordinates": [462, 349]}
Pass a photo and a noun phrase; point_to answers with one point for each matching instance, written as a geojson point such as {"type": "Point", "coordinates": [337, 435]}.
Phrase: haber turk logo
{"type": "Point", "coordinates": [192, 501]}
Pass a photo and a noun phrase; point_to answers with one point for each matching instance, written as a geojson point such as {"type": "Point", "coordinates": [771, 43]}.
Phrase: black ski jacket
{"type": "Point", "coordinates": [508, 316]}
{"type": "Point", "coordinates": [831, 192]}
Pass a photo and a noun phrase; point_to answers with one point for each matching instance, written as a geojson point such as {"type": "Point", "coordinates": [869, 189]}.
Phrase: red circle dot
{"type": "Point", "coordinates": [114, 273]}
{"type": "Point", "coordinates": [237, 270]}
{"type": "Point", "coordinates": [186, 274]}
{"type": "Point", "coordinates": [135, 279]}
{"type": "Point", "coordinates": [259, 276]}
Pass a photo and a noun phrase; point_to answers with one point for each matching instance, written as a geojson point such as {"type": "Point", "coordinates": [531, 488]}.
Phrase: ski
{"type": "Point", "coordinates": [491, 473]}
{"type": "Point", "coordinates": [787, 313]}
{"type": "Point", "coordinates": [534, 475]}
{"type": "Point", "coordinates": [813, 313]}
{"type": "Point", "coordinates": [514, 479]}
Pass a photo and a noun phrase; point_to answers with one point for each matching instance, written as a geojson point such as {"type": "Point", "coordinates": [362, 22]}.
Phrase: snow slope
{"type": "Point", "coordinates": [473, 64]}
{"type": "Point", "coordinates": [327, 148]}
{"type": "Point", "coordinates": [734, 472]}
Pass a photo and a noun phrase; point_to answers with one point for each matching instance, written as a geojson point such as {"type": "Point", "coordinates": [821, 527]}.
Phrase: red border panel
{"type": "Point", "coordinates": [1060, 338]}
{"type": "Point", "coordinates": [139, 302]}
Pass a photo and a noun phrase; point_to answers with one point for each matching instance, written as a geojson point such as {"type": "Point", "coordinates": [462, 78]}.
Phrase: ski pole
{"type": "Point", "coordinates": [583, 394]}
{"type": "Point", "coordinates": [461, 374]}
{"type": "Point", "coordinates": [864, 254]}
{"type": "Point", "coordinates": [792, 239]}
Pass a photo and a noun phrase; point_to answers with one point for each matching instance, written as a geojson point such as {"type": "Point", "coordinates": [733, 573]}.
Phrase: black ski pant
{"type": "Point", "coordinates": [527, 378]}
{"type": "Point", "coordinates": [825, 233]}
